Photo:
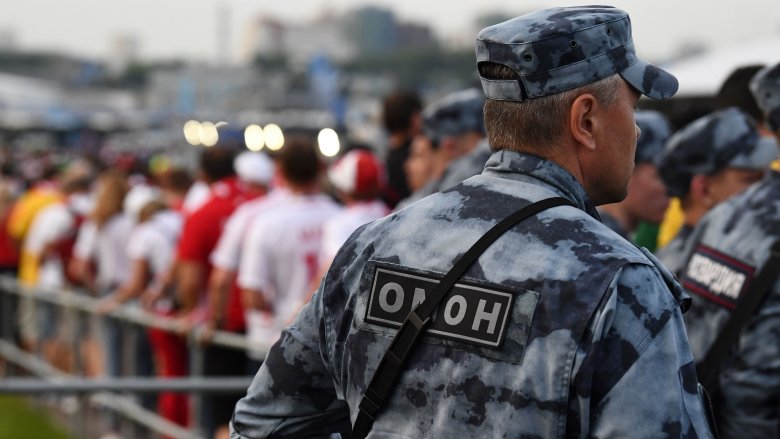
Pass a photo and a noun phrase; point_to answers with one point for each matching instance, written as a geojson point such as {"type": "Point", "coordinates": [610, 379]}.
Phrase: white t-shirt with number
{"type": "Point", "coordinates": [281, 251]}
{"type": "Point", "coordinates": [227, 253]}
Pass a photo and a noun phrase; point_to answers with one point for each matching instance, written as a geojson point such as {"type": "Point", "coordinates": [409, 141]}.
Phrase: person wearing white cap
{"type": "Point", "coordinates": [258, 171]}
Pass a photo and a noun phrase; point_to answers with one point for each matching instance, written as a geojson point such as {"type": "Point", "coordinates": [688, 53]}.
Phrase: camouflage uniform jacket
{"type": "Point", "coordinates": [594, 344]}
{"type": "Point", "coordinates": [727, 248]}
{"type": "Point", "coordinates": [672, 255]}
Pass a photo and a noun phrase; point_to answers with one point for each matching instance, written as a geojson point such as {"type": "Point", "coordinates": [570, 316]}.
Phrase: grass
{"type": "Point", "coordinates": [21, 420]}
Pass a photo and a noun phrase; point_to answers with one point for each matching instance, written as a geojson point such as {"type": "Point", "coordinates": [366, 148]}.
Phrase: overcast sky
{"type": "Point", "coordinates": [187, 28]}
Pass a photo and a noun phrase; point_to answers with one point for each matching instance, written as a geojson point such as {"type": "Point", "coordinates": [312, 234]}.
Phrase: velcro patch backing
{"type": "Point", "coordinates": [716, 277]}
{"type": "Point", "coordinates": [471, 314]}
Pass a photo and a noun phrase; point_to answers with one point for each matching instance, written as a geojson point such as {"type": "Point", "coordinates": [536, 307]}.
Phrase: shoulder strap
{"type": "Point", "coordinates": [392, 363]}
{"type": "Point", "coordinates": [709, 368]}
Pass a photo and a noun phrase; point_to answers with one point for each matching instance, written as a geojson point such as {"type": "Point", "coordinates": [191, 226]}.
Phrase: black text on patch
{"type": "Point", "coordinates": [716, 277]}
{"type": "Point", "coordinates": [471, 314]}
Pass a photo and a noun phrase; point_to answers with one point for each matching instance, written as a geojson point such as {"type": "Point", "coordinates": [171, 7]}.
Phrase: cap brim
{"type": "Point", "coordinates": [761, 157]}
{"type": "Point", "coordinates": [650, 80]}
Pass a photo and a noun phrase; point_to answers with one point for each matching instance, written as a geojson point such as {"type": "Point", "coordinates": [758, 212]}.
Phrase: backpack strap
{"type": "Point", "coordinates": [392, 363]}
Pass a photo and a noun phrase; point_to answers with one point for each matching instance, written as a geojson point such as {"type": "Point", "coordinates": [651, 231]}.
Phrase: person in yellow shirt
{"type": "Point", "coordinates": [44, 195]}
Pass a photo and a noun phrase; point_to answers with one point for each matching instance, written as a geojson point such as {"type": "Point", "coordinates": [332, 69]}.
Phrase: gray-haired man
{"type": "Point", "coordinates": [560, 328]}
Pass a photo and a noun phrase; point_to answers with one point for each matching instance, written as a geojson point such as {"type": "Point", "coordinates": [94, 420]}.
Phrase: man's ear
{"type": "Point", "coordinates": [583, 122]}
{"type": "Point", "coordinates": [700, 188]}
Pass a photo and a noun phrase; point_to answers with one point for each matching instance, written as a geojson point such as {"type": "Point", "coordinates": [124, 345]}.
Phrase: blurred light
{"type": "Point", "coordinates": [328, 140]}
{"type": "Point", "coordinates": [192, 132]}
{"type": "Point", "coordinates": [208, 134]}
{"type": "Point", "coordinates": [220, 124]}
{"type": "Point", "coordinates": [274, 138]}
{"type": "Point", "coordinates": [254, 138]}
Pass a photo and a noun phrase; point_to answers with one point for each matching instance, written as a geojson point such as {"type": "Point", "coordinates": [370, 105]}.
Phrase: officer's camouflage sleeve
{"type": "Point", "coordinates": [292, 394]}
{"type": "Point", "coordinates": [642, 355]}
{"type": "Point", "coordinates": [748, 405]}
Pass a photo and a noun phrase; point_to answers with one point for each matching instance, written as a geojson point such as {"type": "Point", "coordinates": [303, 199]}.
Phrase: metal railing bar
{"type": "Point", "coordinates": [123, 405]}
{"type": "Point", "coordinates": [30, 362]}
{"type": "Point", "coordinates": [134, 385]}
{"type": "Point", "coordinates": [129, 409]}
{"type": "Point", "coordinates": [85, 302]}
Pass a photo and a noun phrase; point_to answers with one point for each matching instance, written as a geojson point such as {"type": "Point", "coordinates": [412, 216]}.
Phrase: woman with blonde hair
{"type": "Point", "coordinates": [100, 264]}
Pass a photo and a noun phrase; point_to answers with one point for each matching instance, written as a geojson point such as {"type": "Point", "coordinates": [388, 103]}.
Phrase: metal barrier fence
{"type": "Point", "coordinates": [100, 392]}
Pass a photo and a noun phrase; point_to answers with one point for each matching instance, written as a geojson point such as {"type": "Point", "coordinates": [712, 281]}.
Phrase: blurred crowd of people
{"type": "Point", "coordinates": [240, 245]}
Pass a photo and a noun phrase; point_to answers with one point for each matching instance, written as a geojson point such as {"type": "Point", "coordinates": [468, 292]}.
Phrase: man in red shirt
{"type": "Point", "coordinates": [201, 232]}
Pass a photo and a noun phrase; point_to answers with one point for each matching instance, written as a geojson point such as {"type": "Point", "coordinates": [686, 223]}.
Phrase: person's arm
{"type": "Point", "coordinates": [254, 271]}
{"type": "Point", "coordinates": [220, 281]}
{"type": "Point", "coordinates": [191, 258]}
{"type": "Point", "coordinates": [643, 379]}
{"type": "Point", "coordinates": [160, 285]}
{"type": "Point", "coordinates": [189, 281]}
{"type": "Point", "coordinates": [292, 395]}
{"type": "Point", "coordinates": [132, 288]}
{"type": "Point", "coordinates": [84, 252]}
{"type": "Point", "coordinates": [224, 260]}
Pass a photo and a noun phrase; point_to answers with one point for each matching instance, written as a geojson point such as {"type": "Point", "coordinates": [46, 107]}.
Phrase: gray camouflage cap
{"type": "Point", "coordinates": [727, 138]}
{"type": "Point", "coordinates": [765, 87]}
{"type": "Point", "coordinates": [559, 49]}
{"type": "Point", "coordinates": [455, 114]}
{"type": "Point", "coordinates": [655, 131]}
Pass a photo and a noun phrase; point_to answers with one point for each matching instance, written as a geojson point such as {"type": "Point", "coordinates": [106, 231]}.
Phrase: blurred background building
{"type": "Point", "coordinates": [331, 66]}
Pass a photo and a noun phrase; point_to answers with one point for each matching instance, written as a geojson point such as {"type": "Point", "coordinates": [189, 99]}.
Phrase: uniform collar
{"type": "Point", "coordinates": [520, 166]}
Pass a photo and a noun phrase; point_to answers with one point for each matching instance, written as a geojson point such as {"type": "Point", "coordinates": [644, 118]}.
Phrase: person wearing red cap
{"type": "Point", "coordinates": [358, 178]}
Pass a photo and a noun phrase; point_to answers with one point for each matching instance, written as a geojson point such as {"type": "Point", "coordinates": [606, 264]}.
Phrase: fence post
{"type": "Point", "coordinates": [196, 371]}
{"type": "Point", "coordinates": [7, 322]}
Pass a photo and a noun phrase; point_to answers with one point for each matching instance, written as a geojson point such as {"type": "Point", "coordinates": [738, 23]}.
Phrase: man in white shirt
{"type": "Point", "coordinates": [358, 178]}
{"type": "Point", "coordinates": [280, 254]}
{"type": "Point", "coordinates": [256, 170]}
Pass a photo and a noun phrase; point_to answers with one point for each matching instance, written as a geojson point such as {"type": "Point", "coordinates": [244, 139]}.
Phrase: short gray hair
{"type": "Point", "coordinates": [535, 122]}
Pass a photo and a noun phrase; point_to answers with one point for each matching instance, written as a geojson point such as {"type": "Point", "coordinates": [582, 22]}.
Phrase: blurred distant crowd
{"type": "Point", "coordinates": [240, 244]}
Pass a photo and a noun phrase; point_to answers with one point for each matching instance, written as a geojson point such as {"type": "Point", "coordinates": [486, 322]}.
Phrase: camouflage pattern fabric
{"type": "Point", "coordinates": [726, 138]}
{"type": "Point", "coordinates": [765, 87]}
{"type": "Point", "coordinates": [594, 343]}
{"type": "Point", "coordinates": [655, 130]}
{"type": "Point", "coordinates": [559, 49]}
{"type": "Point", "coordinates": [672, 255]}
{"type": "Point", "coordinates": [726, 248]}
{"type": "Point", "coordinates": [455, 114]}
